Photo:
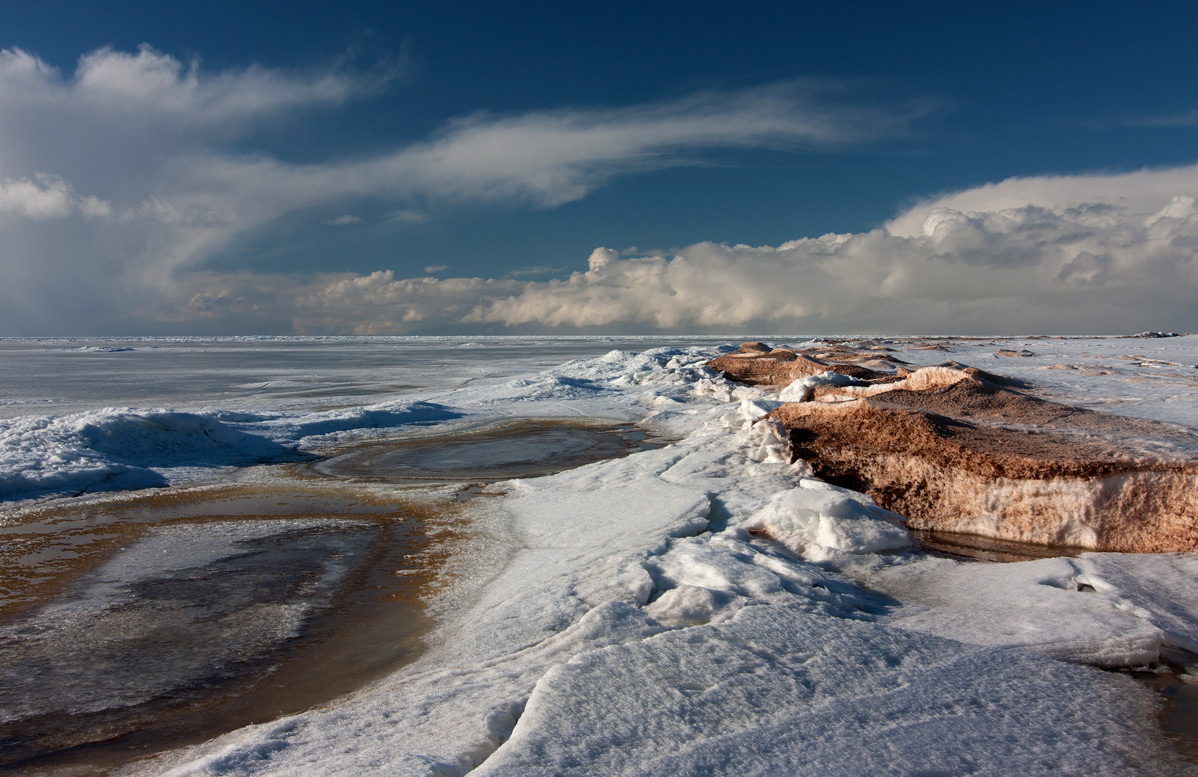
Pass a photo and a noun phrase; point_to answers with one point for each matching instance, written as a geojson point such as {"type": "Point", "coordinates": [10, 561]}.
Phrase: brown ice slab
{"type": "Point", "coordinates": [781, 366]}
{"type": "Point", "coordinates": [953, 449]}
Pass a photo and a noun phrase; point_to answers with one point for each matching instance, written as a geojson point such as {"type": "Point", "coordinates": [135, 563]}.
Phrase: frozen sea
{"type": "Point", "coordinates": [534, 555]}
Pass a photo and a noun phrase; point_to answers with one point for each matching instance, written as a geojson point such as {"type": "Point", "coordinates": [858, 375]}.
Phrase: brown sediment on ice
{"type": "Point", "coordinates": [956, 449]}
{"type": "Point", "coordinates": [367, 626]}
{"type": "Point", "coordinates": [759, 365]}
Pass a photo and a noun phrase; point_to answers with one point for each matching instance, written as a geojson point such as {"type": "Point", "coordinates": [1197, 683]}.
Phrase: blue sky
{"type": "Point", "coordinates": [458, 167]}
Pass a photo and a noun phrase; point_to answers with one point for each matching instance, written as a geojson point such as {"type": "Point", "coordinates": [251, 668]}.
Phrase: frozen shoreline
{"type": "Point", "coordinates": [627, 617]}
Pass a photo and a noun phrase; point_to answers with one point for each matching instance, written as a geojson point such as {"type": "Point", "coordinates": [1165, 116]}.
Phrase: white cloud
{"type": "Point", "coordinates": [1143, 191]}
{"type": "Point", "coordinates": [139, 166]}
{"type": "Point", "coordinates": [1183, 119]}
{"type": "Point", "coordinates": [544, 269]}
{"type": "Point", "coordinates": [344, 221]}
{"type": "Point", "coordinates": [117, 183]}
{"type": "Point", "coordinates": [1122, 259]}
{"type": "Point", "coordinates": [435, 268]}
{"type": "Point", "coordinates": [150, 83]}
{"type": "Point", "coordinates": [46, 197]}
{"type": "Point", "coordinates": [552, 157]}
{"type": "Point", "coordinates": [407, 217]}
{"type": "Point", "coordinates": [380, 303]}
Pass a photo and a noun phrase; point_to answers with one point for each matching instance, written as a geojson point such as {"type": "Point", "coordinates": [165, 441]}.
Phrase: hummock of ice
{"type": "Point", "coordinates": [126, 448]}
{"type": "Point", "coordinates": [708, 609]}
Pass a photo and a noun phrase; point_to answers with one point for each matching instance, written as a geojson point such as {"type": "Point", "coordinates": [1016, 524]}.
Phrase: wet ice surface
{"type": "Point", "coordinates": [518, 450]}
{"type": "Point", "coordinates": [160, 624]}
{"type": "Point", "coordinates": [708, 607]}
{"type": "Point", "coordinates": [986, 548]}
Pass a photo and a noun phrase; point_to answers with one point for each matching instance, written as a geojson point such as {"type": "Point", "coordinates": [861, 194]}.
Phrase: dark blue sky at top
{"type": "Point", "coordinates": [1018, 90]}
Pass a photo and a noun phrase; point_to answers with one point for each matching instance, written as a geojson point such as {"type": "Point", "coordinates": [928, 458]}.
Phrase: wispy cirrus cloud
{"type": "Point", "coordinates": [345, 220]}
{"type": "Point", "coordinates": [1187, 118]}
{"type": "Point", "coordinates": [149, 85]}
{"type": "Point", "coordinates": [407, 216]}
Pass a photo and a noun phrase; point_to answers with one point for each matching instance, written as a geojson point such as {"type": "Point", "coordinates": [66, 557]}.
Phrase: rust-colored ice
{"type": "Point", "coordinates": [955, 449]}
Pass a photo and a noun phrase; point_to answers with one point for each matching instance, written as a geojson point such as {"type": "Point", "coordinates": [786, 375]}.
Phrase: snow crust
{"type": "Point", "coordinates": [709, 608]}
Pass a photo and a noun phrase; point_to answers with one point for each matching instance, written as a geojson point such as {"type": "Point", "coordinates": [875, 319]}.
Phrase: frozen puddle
{"type": "Point", "coordinates": [522, 449]}
{"type": "Point", "coordinates": [231, 608]}
{"type": "Point", "coordinates": [980, 548]}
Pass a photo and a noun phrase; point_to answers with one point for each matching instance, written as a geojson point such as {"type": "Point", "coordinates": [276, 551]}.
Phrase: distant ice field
{"type": "Point", "coordinates": [68, 375]}
{"type": "Point", "coordinates": [84, 415]}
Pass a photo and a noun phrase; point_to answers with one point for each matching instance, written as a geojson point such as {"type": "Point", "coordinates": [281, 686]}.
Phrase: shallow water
{"type": "Point", "coordinates": [231, 607]}
{"type": "Point", "coordinates": [980, 548]}
{"type": "Point", "coordinates": [520, 449]}
{"type": "Point", "coordinates": [1179, 712]}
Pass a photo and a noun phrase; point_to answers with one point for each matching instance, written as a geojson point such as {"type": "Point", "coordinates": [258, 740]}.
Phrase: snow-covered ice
{"type": "Point", "coordinates": [701, 608]}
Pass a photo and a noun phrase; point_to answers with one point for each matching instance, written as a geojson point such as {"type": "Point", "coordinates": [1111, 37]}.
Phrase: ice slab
{"type": "Point", "coordinates": [1104, 609]}
{"type": "Point", "coordinates": [780, 691]}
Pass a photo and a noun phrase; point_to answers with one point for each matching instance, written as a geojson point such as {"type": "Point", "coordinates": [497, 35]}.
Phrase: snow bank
{"type": "Point", "coordinates": [1104, 609]}
{"type": "Point", "coordinates": [126, 448]}
{"type": "Point", "coordinates": [118, 449]}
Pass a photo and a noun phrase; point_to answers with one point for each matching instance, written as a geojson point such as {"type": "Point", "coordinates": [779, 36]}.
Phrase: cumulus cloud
{"type": "Point", "coordinates": [380, 303]}
{"type": "Point", "coordinates": [46, 197]}
{"type": "Point", "coordinates": [1092, 254]}
{"type": "Point", "coordinates": [1141, 192]}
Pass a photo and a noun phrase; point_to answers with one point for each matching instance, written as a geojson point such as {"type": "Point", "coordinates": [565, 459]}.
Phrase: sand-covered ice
{"type": "Point", "coordinates": [954, 448]}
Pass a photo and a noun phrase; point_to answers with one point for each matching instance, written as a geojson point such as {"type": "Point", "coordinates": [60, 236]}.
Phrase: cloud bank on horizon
{"type": "Point", "coordinates": [1098, 254]}
{"type": "Point", "coordinates": [120, 182]}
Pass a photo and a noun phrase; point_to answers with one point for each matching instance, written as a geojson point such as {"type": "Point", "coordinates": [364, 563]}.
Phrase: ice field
{"type": "Point", "coordinates": [618, 617]}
